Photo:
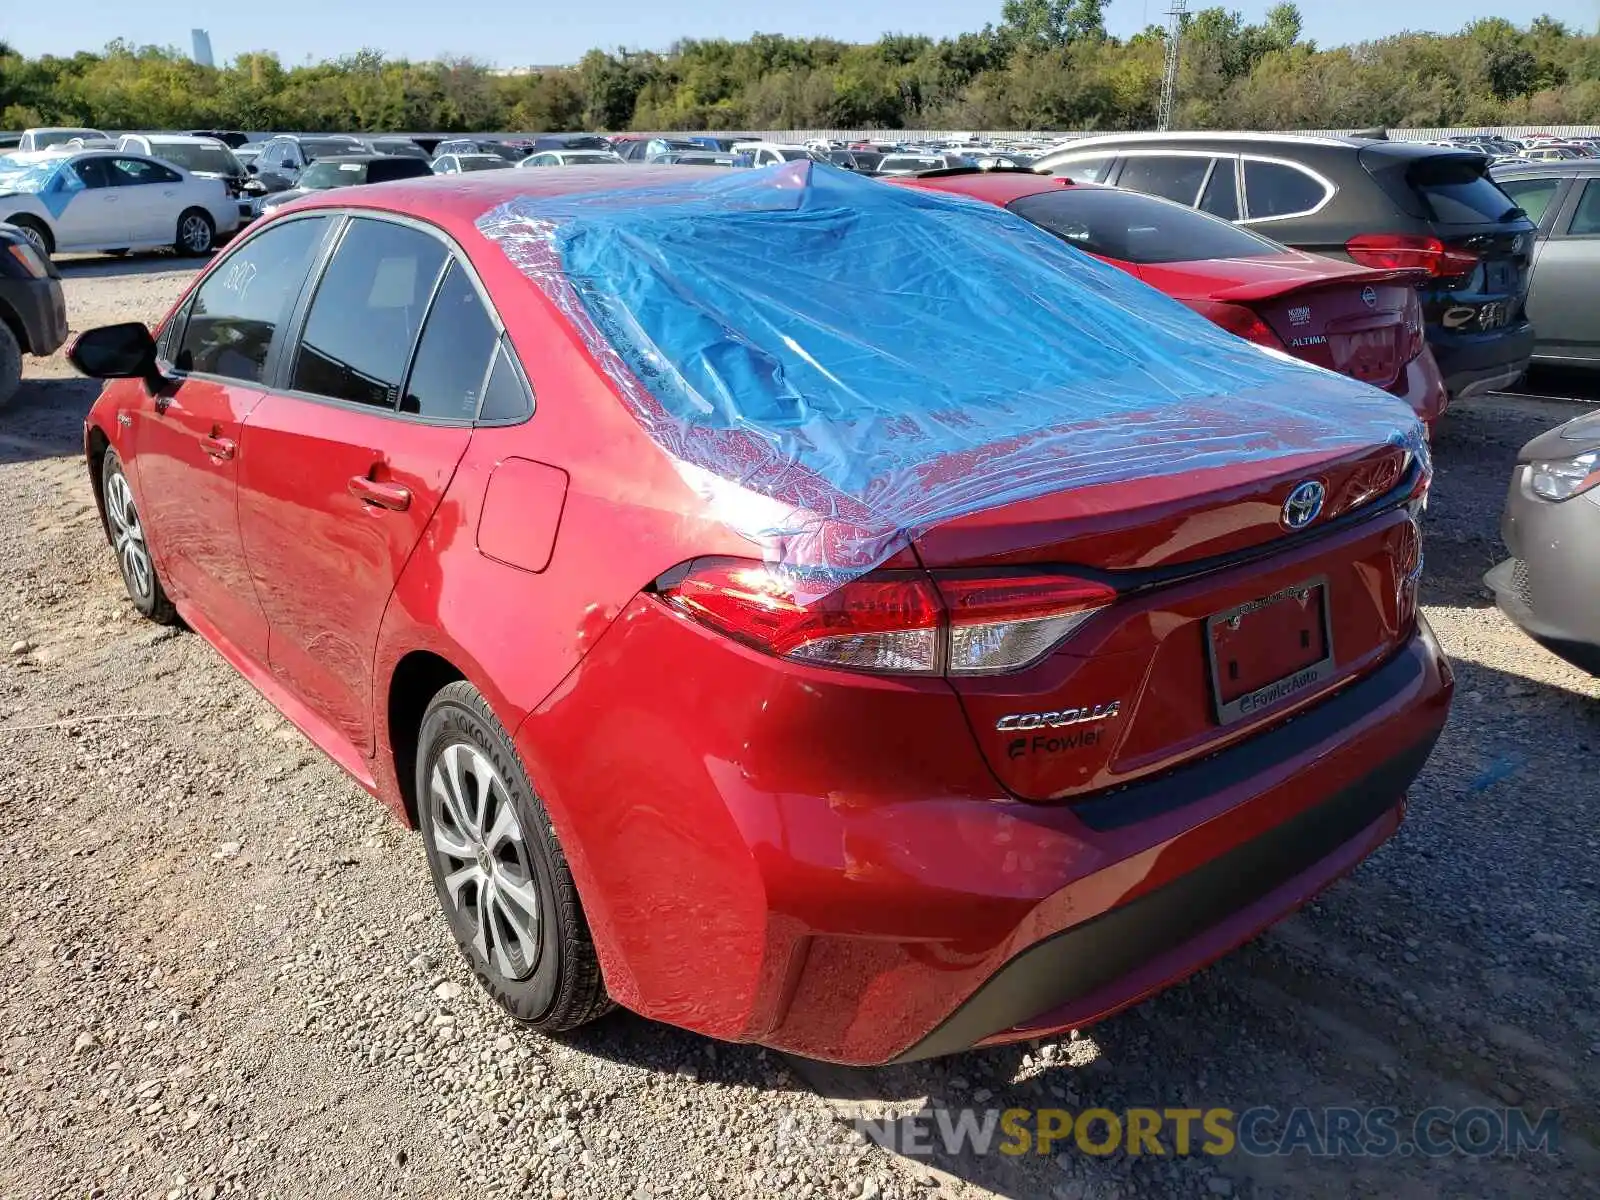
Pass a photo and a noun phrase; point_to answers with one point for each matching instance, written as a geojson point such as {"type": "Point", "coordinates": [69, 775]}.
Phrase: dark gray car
{"type": "Point", "coordinates": [1552, 528]}
{"type": "Point", "coordinates": [1563, 199]}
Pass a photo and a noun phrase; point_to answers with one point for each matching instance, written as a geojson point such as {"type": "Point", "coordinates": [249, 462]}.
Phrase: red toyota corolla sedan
{"type": "Point", "coordinates": [807, 612]}
{"type": "Point", "coordinates": [1358, 321]}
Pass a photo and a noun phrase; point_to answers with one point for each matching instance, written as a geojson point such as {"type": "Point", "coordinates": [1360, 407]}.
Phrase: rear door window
{"type": "Point", "coordinates": [1458, 192]}
{"type": "Point", "coordinates": [447, 378]}
{"type": "Point", "coordinates": [1137, 229]}
{"type": "Point", "coordinates": [238, 309]}
{"type": "Point", "coordinates": [1279, 190]}
{"type": "Point", "coordinates": [1532, 196]}
{"type": "Point", "coordinates": [1177, 177]}
{"type": "Point", "coordinates": [363, 322]}
{"type": "Point", "coordinates": [1586, 219]}
{"type": "Point", "coordinates": [130, 171]}
{"type": "Point", "coordinates": [1221, 197]}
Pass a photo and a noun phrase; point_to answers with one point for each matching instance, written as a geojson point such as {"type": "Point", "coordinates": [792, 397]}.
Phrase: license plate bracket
{"type": "Point", "coordinates": [1266, 651]}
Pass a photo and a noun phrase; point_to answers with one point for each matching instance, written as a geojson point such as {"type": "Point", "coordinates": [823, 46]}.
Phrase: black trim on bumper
{"type": "Point", "coordinates": [1468, 361]}
{"type": "Point", "coordinates": [1087, 957]}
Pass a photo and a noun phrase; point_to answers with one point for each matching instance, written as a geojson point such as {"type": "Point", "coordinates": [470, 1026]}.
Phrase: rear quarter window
{"type": "Point", "coordinates": [1279, 190]}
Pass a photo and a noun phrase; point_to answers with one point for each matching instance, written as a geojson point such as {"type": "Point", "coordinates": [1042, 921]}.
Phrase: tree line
{"type": "Point", "coordinates": [1046, 64]}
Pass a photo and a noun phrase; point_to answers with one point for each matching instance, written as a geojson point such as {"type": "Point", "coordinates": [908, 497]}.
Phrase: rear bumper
{"type": "Point", "coordinates": [40, 309]}
{"type": "Point", "coordinates": [1096, 968]}
{"type": "Point", "coordinates": [843, 911]}
{"type": "Point", "coordinates": [1483, 362]}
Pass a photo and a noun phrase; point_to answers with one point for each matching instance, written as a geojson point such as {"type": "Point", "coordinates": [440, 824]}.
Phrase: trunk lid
{"type": "Point", "coordinates": [1166, 674]}
{"type": "Point", "coordinates": [1348, 319]}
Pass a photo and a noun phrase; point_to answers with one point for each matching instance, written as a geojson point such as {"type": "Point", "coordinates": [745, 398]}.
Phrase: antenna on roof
{"type": "Point", "coordinates": [1169, 80]}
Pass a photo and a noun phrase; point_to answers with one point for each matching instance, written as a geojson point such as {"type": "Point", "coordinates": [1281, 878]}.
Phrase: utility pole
{"type": "Point", "coordinates": [1169, 81]}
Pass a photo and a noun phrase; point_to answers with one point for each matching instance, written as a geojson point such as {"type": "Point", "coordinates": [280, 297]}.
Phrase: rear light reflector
{"type": "Point", "coordinates": [1005, 623]}
{"type": "Point", "coordinates": [891, 622]}
{"type": "Point", "coordinates": [1394, 250]}
{"type": "Point", "coordinates": [1239, 320]}
{"type": "Point", "coordinates": [1412, 324]}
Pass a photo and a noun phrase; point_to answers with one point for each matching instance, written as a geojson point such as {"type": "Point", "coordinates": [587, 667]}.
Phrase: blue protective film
{"type": "Point", "coordinates": [838, 364]}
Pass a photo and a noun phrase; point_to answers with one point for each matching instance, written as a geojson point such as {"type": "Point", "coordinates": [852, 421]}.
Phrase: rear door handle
{"type": "Point", "coordinates": [380, 494]}
{"type": "Point", "coordinates": [220, 448]}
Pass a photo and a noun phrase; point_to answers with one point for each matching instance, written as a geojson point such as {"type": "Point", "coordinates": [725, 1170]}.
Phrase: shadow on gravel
{"type": "Point", "coordinates": [94, 266]}
{"type": "Point", "coordinates": [45, 419]}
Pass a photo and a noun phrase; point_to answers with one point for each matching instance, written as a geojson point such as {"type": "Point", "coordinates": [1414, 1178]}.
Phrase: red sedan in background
{"type": "Point", "coordinates": [1359, 321]}
{"type": "Point", "coordinates": [1047, 756]}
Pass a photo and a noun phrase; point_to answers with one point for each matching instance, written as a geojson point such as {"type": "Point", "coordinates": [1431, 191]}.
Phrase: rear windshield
{"type": "Point", "coordinates": [1458, 192]}
{"type": "Point", "coordinates": [1135, 228]}
{"type": "Point", "coordinates": [333, 174]}
{"type": "Point", "coordinates": [318, 147]}
{"type": "Point", "coordinates": [193, 157]}
{"type": "Point", "coordinates": [397, 167]}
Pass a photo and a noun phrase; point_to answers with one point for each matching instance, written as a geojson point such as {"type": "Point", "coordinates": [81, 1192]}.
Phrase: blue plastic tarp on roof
{"type": "Point", "coordinates": [838, 364]}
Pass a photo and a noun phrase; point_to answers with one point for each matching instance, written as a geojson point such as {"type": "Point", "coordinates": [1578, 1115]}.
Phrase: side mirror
{"type": "Point", "coordinates": [252, 168]}
{"type": "Point", "coordinates": [125, 351]}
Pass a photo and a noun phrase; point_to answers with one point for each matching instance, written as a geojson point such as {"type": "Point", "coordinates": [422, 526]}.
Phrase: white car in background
{"type": "Point", "coordinates": [44, 137]}
{"type": "Point", "coordinates": [455, 164]}
{"type": "Point", "coordinates": [571, 158]}
{"type": "Point", "coordinates": [770, 154]}
{"type": "Point", "coordinates": [111, 200]}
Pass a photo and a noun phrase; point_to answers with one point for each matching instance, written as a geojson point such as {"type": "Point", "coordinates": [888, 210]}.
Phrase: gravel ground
{"type": "Point", "coordinates": [223, 973]}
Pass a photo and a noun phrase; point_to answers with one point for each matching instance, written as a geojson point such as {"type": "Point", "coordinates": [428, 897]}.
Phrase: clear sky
{"type": "Point", "coordinates": [510, 34]}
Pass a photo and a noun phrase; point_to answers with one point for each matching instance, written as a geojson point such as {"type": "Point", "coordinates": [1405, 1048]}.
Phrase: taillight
{"type": "Point", "coordinates": [1237, 319]}
{"type": "Point", "coordinates": [892, 622]}
{"type": "Point", "coordinates": [1395, 250]}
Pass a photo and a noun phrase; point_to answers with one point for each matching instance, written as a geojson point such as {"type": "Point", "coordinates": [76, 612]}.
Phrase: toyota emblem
{"type": "Point", "coordinates": [1304, 504]}
{"type": "Point", "coordinates": [1369, 296]}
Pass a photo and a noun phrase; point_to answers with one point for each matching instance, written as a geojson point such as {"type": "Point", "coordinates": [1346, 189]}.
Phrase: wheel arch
{"type": "Point", "coordinates": [95, 446]}
{"type": "Point", "coordinates": [417, 678]}
{"type": "Point", "coordinates": [28, 218]}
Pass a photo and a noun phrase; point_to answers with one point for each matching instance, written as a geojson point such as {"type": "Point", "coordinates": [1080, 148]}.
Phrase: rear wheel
{"type": "Point", "coordinates": [499, 872]}
{"type": "Point", "coordinates": [133, 550]}
{"type": "Point", "coordinates": [197, 232]}
{"type": "Point", "coordinates": [35, 232]}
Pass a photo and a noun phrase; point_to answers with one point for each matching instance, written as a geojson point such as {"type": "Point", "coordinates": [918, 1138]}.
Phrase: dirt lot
{"type": "Point", "coordinates": [223, 973]}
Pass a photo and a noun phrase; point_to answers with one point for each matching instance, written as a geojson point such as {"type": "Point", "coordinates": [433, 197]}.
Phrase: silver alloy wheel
{"type": "Point", "coordinates": [36, 236]}
{"type": "Point", "coordinates": [195, 233]}
{"type": "Point", "coordinates": [487, 871]}
{"type": "Point", "coordinates": [127, 535]}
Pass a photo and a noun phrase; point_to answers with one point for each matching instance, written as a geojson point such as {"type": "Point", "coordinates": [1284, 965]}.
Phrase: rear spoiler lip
{"type": "Point", "coordinates": [1272, 289]}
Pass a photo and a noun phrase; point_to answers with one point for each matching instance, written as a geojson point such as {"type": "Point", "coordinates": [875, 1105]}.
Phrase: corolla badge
{"type": "Point", "coordinates": [1304, 504]}
{"type": "Point", "coordinates": [1369, 297]}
